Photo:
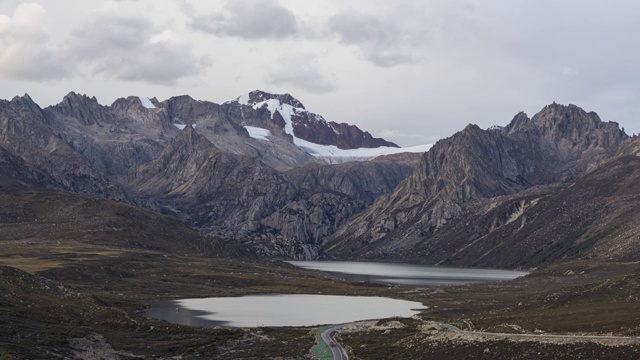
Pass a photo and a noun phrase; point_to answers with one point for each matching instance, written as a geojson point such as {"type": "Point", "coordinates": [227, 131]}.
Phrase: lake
{"type": "Point", "coordinates": [406, 274]}
{"type": "Point", "coordinates": [313, 310]}
{"type": "Point", "coordinates": [280, 310]}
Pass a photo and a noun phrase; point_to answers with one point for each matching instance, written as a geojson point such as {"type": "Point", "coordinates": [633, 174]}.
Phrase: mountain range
{"type": "Point", "coordinates": [264, 173]}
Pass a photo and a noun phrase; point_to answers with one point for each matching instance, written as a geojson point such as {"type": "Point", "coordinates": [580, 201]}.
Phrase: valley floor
{"type": "Point", "coordinates": [73, 300]}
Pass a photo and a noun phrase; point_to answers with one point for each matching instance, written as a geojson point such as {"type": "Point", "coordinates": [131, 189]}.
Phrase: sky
{"type": "Point", "coordinates": [409, 71]}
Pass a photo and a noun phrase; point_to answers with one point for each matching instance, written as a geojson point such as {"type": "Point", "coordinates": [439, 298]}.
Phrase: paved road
{"type": "Point", "coordinates": [338, 351]}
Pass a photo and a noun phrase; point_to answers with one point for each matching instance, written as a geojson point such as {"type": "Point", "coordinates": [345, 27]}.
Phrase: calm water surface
{"type": "Point", "coordinates": [406, 274]}
{"type": "Point", "coordinates": [280, 310]}
{"type": "Point", "coordinates": [311, 310]}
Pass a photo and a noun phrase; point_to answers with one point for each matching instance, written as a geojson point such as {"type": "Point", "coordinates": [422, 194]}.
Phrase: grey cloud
{"type": "Point", "coordinates": [26, 50]}
{"type": "Point", "coordinates": [110, 32]}
{"type": "Point", "coordinates": [301, 71]}
{"type": "Point", "coordinates": [257, 19]}
{"type": "Point", "coordinates": [130, 48]}
{"type": "Point", "coordinates": [385, 41]}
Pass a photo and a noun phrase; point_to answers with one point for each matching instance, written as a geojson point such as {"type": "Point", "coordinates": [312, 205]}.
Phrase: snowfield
{"type": "Point", "coordinates": [328, 153]}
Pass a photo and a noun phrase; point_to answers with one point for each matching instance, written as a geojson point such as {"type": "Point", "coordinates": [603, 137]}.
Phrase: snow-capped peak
{"type": "Point", "coordinates": [258, 96]}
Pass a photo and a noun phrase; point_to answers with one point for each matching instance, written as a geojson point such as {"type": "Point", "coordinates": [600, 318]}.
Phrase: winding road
{"type": "Point", "coordinates": [339, 353]}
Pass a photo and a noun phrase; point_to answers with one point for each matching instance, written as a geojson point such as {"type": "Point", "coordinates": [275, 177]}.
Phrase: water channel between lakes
{"type": "Point", "coordinates": [312, 310]}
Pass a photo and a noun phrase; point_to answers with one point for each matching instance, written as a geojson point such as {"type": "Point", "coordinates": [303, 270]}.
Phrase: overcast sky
{"type": "Point", "coordinates": [410, 71]}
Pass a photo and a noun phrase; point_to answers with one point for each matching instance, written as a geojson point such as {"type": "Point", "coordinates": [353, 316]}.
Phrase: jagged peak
{"type": "Point", "coordinates": [519, 120]}
{"type": "Point", "coordinates": [181, 98]}
{"type": "Point", "coordinates": [74, 97]}
{"type": "Point", "coordinates": [471, 128]}
{"type": "Point", "coordinates": [259, 96]}
{"type": "Point", "coordinates": [25, 100]}
{"type": "Point", "coordinates": [24, 97]}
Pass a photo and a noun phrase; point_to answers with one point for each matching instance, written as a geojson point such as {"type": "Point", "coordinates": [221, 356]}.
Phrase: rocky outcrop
{"type": "Point", "coordinates": [209, 116]}
{"type": "Point", "coordinates": [85, 109]}
{"type": "Point", "coordinates": [558, 145]}
{"type": "Point", "coordinates": [360, 180]}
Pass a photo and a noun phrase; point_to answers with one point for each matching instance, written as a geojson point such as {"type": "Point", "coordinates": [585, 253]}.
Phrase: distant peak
{"type": "Point", "coordinates": [258, 96]}
{"type": "Point", "coordinates": [518, 121]}
{"type": "Point", "coordinates": [24, 97]}
{"type": "Point", "coordinates": [557, 111]}
{"type": "Point", "coordinates": [25, 100]}
{"type": "Point", "coordinates": [73, 96]}
{"type": "Point", "coordinates": [471, 128]}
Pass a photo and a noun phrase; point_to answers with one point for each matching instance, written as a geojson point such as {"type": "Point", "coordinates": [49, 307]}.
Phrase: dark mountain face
{"type": "Point", "coordinates": [16, 174]}
{"type": "Point", "coordinates": [24, 132]}
{"type": "Point", "coordinates": [528, 194]}
{"type": "Point", "coordinates": [110, 139]}
{"type": "Point", "coordinates": [284, 214]}
{"type": "Point", "coordinates": [211, 190]}
{"type": "Point", "coordinates": [474, 172]}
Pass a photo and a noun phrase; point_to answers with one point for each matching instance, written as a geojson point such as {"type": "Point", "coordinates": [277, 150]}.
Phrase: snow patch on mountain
{"type": "Point", "coordinates": [258, 133]}
{"type": "Point", "coordinates": [332, 154]}
{"type": "Point", "coordinates": [327, 153]}
{"type": "Point", "coordinates": [183, 126]}
{"type": "Point", "coordinates": [146, 102]}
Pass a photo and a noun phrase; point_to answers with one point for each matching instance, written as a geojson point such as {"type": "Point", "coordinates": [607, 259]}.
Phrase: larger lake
{"type": "Point", "coordinates": [406, 274]}
{"type": "Point", "coordinates": [280, 310]}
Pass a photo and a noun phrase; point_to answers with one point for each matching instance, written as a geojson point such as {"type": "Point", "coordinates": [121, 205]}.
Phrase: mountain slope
{"type": "Point", "coordinates": [111, 139]}
{"type": "Point", "coordinates": [24, 133]}
{"type": "Point", "coordinates": [477, 169]}
{"type": "Point", "coordinates": [210, 189]}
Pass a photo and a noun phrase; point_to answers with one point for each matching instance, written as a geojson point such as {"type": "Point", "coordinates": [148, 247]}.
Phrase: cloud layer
{"type": "Point", "coordinates": [129, 47]}
{"type": "Point", "coordinates": [109, 42]}
{"type": "Point", "coordinates": [383, 40]}
{"type": "Point", "coordinates": [254, 19]}
{"type": "Point", "coordinates": [301, 71]}
{"type": "Point", "coordinates": [26, 50]}
{"type": "Point", "coordinates": [406, 69]}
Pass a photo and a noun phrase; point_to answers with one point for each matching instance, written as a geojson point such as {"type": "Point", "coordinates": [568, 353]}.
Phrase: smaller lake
{"type": "Point", "coordinates": [406, 274]}
{"type": "Point", "coordinates": [280, 310]}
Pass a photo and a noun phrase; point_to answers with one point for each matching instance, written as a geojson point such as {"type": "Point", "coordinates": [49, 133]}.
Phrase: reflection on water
{"type": "Point", "coordinates": [406, 274]}
{"type": "Point", "coordinates": [280, 310]}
